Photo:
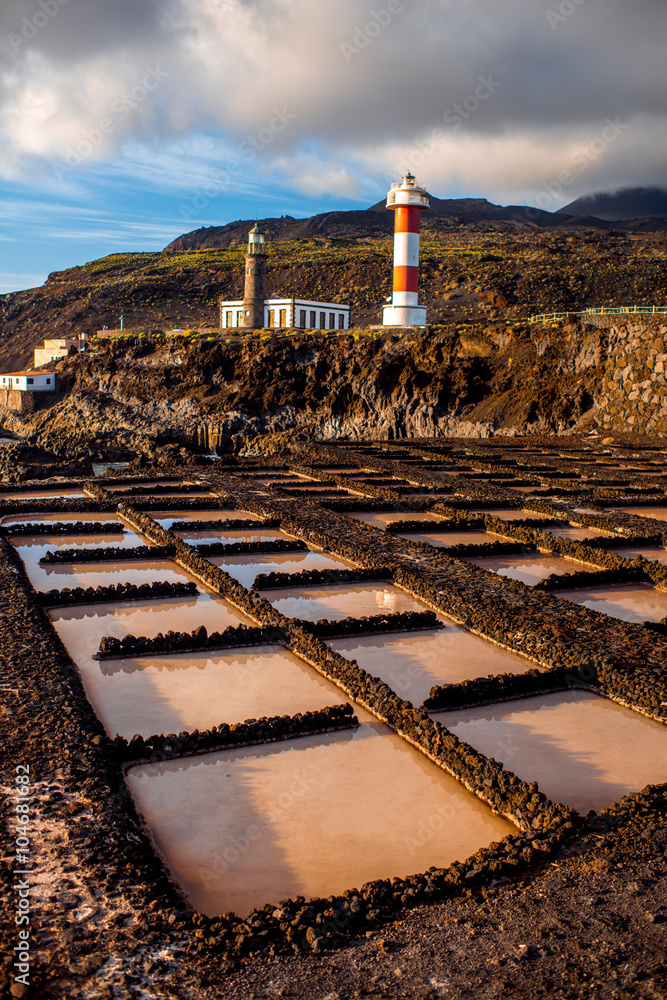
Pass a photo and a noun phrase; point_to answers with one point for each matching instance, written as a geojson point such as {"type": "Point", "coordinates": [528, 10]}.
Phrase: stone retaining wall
{"type": "Point", "coordinates": [634, 382]}
{"type": "Point", "coordinates": [116, 592]}
{"type": "Point", "coordinates": [240, 734]}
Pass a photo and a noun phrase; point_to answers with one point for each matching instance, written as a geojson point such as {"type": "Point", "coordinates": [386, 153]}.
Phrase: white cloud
{"type": "Point", "coordinates": [314, 174]}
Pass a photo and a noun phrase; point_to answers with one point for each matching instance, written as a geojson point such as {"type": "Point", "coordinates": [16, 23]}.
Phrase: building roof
{"type": "Point", "coordinates": [295, 301]}
{"type": "Point", "coordinates": [20, 374]}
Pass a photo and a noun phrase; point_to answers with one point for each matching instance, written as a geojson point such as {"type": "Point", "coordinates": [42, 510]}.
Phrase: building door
{"type": "Point", "coordinates": [341, 321]}
{"type": "Point", "coordinates": [302, 319]}
{"type": "Point", "coordinates": [313, 320]}
{"type": "Point", "coordinates": [230, 319]}
{"type": "Point", "coordinates": [323, 321]}
{"type": "Point", "coordinates": [272, 317]}
{"type": "Point", "coordinates": [283, 317]}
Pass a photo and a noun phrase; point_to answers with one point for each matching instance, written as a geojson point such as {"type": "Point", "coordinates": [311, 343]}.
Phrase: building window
{"type": "Point", "coordinates": [48, 381]}
{"type": "Point", "coordinates": [341, 321]}
{"type": "Point", "coordinates": [313, 320]}
{"type": "Point", "coordinates": [31, 381]}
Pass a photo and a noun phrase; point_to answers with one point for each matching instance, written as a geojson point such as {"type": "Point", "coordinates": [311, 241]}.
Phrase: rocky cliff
{"type": "Point", "coordinates": [138, 396]}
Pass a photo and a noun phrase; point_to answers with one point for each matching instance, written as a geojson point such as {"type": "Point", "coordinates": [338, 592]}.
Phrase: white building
{"type": "Point", "coordinates": [58, 348]}
{"type": "Point", "coordinates": [299, 314]}
{"type": "Point", "coordinates": [28, 381]}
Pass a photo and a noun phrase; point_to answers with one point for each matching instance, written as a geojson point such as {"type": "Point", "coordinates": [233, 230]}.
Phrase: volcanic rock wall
{"type": "Point", "coordinates": [593, 372]}
{"type": "Point", "coordinates": [634, 388]}
{"type": "Point", "coordinates": [19, 402]}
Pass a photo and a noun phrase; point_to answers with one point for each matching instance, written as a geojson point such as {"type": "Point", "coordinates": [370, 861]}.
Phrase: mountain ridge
{"type": "Point", "coordinates": [444, 214]}
{"type": "Point", "coordinates": [624, 205]}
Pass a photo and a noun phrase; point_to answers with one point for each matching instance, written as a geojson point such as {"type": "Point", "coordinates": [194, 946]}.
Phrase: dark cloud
{"type": "Point", "coordinates": [78, 29]}
{"type": "Point", "coordinates": [358, 79]}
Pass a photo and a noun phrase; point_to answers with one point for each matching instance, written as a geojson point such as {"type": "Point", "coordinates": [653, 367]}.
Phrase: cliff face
{"type": "Point", "coordinates": [134, 396]}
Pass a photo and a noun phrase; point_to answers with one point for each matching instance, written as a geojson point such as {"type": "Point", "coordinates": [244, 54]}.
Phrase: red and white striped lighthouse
{"type": "Point", "coordinates": [407, 200]}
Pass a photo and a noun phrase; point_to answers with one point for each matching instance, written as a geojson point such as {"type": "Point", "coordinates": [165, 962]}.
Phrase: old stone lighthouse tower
{"type": "Point", "coordinates": [255, 312]}
{"type": "Point", "coordinates": [254, 294]}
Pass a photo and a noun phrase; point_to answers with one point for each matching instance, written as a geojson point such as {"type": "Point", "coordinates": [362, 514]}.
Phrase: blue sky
{"type": "Point", "coordinates": [124, 124]}
{"type": "Point", "coordinates": [140, 201]}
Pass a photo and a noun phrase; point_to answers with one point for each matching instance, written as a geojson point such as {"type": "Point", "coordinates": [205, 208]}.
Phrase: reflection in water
{"type": "Point", "coordinates": [31, 550]}
{"type": "Point", "coordinates": [104, 574]}
{"type": "Point", "coordinates": [528, 489]}
{"type": "Point", "coordinates": [380, 519]}
{"type": "Point", "coordinates": [657, 513]}
{"type": "Point", "coordinates": [246, 568]}
{"type": "Point", "coordinates": [527, 569]}
{"type": "Point", "coordinates": [44, 494]}
{"type": "Point", "coordinates": [445, 540]}
{"type": "Point", "coordinates": [186, 691]}
{"type": "Point", "coordinates": [36, 546]}
{"type": "Point", "coordinates": [357, 600]}
{"type": "Point", "coordinates": [631, 603]}
{"type": "Point", "coordinates": [583, 750]}
{"type": "Point", "coordinates": [507, 514]}
{"type": "Point", "coordinates": [413, 662]}
{"type": "Point", "coordinates": [207, 537]}
{"type": "Point", "coordinates": [81, 628]}
{"type": "Point", "coordinates": [46, 518]}
{"type": "Point", "coordinates": [167, 517]}
{"type": "Point", "coordinates": [311, 816]}
{"type": "Point", "coordinates": [577, 534]}
{"type": "Point", "coordinates": [652, 553]}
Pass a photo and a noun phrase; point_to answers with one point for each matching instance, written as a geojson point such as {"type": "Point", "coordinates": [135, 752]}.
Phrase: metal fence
{"type": "Point", "coordinates": [599, 311]}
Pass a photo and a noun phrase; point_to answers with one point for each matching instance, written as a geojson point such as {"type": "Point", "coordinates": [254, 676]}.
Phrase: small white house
{"type": "Point", "coordinates": [291, 314]}
{"type": "Point", "coordinates": [33, 381]}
